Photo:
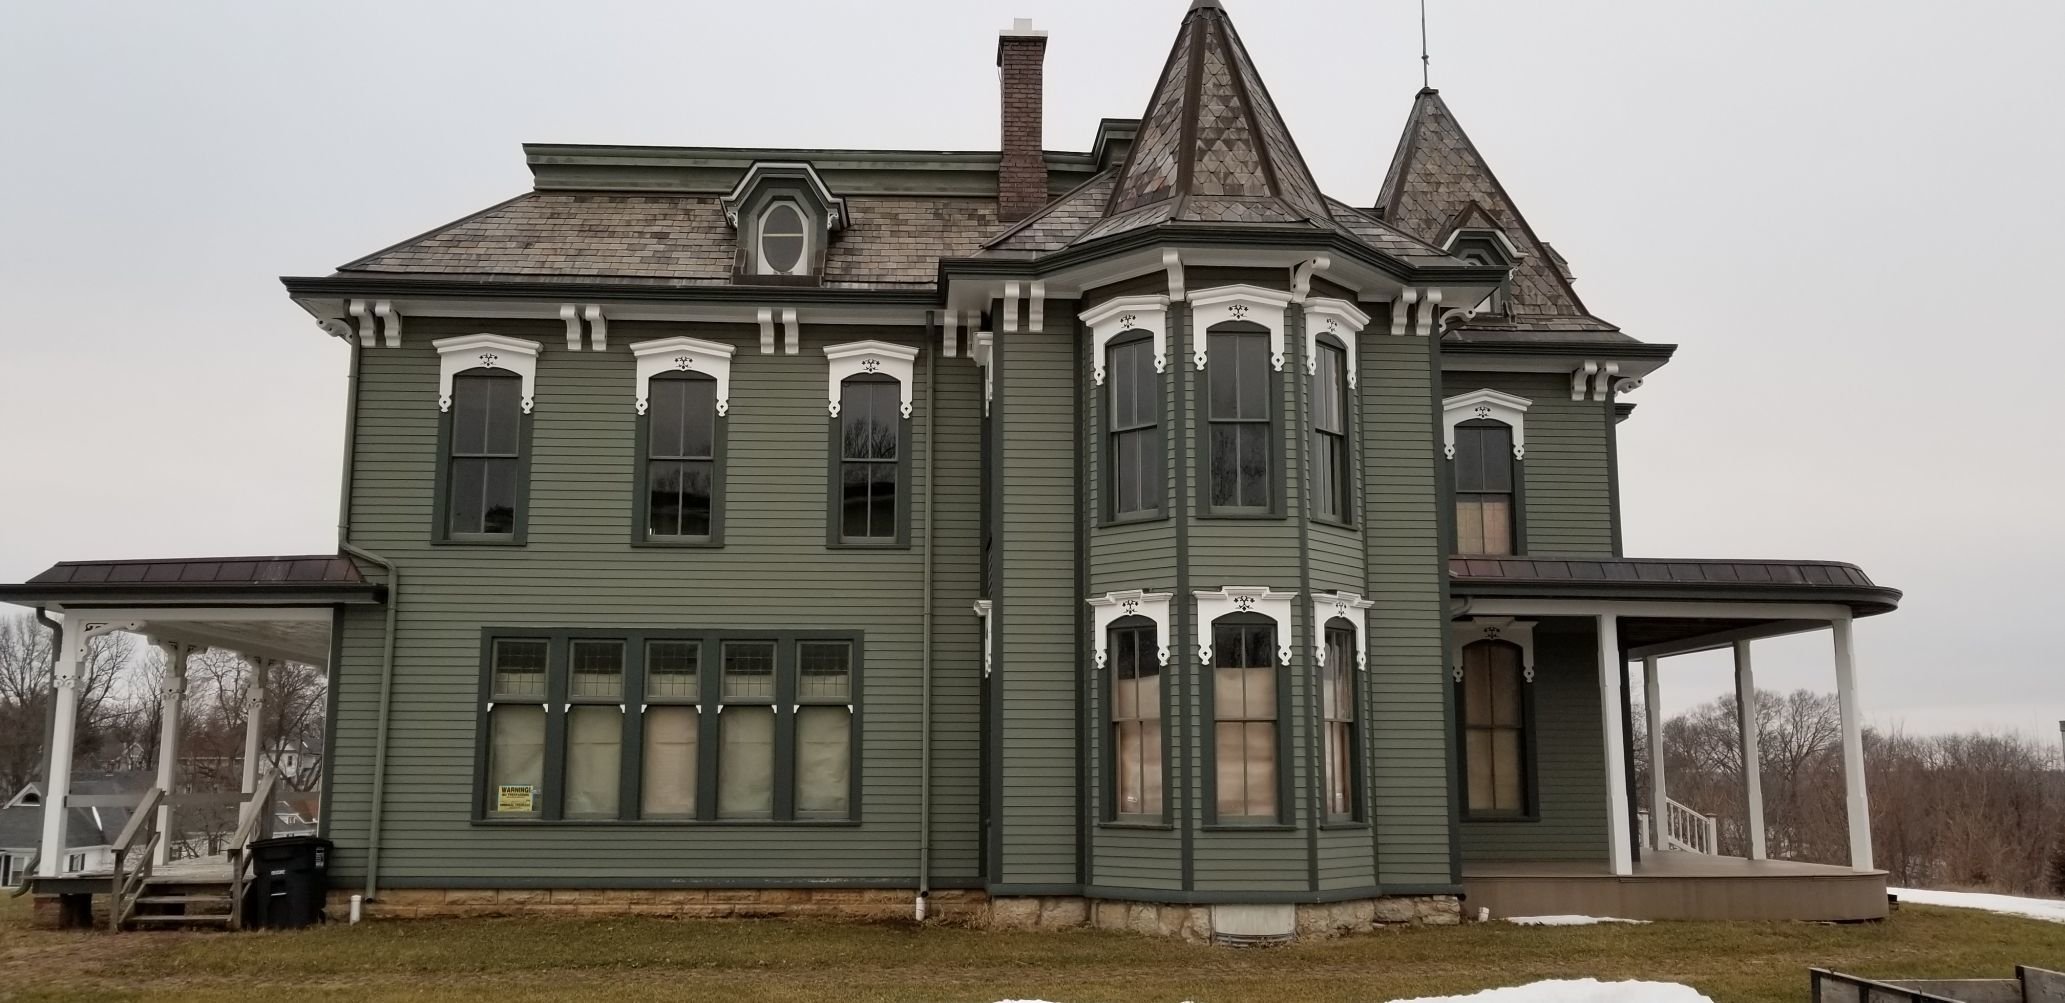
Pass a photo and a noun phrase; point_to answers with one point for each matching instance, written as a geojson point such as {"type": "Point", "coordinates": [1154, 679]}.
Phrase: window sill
{"type": "Point", "coordinates": [1248, 827]}
{"type": "Point", "coordinates": [483, 541]}
{"type": "Point", "coordinates": [1335, 523]}
{"type": "Point", "coordinates": [1499, 819]}
{"type": "Point", "coordinates": [667, 823]}
{"type": "Point", "coordinates": [1343, 825]}
{"type": "Point", "coordinates": [1137, 826]}
{"type": "Point", "coordinates": [1116, 522]}
{"type": "Point", "coordinates": [851, 545]}
{"type": "Point", "coordinates": [1210, 515]}
{"type": "Point", "coordinates": [685, 544]}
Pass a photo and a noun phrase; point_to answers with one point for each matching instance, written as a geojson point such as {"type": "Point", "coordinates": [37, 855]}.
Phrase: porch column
{"type": "Point", "coordinates": [1620, 853]}
{"type": "Point", "coordinates": [1752, 763]}
{"type": "Point", "coordinates": [173, 702]}
{"type": "Point", "coordinates": [71, 666]}
{"type": "Point", "coordinates": [1855, 801]}
{"type": "Point", "coordinates": [254, 727]}
{"type": "Point", "coordinates": [1652, 703]}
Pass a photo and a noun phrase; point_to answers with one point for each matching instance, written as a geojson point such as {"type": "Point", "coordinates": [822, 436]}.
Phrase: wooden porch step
{"type": "Point", "coordinates": [221, 900]}
{"type": "Point", "coordinates": [169, 919]}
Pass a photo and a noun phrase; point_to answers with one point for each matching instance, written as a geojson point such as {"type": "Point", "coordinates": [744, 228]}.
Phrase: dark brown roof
{"type": "Point", "coordinates": [316, 574]}
{"type": "Point", "coordinates": [1639, 577]}
{"type": "Point", "coordinates": [1437, 181]}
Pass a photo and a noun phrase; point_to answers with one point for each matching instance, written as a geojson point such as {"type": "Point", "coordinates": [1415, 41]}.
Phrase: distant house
{"type": "Point", "coordinates": [89, 832]}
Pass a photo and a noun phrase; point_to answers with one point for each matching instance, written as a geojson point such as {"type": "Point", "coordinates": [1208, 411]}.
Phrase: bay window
{"type": "Point", "coordinates": [1240, 425]}
{"type": "Point", "coordinates": [1135, 757]}
{"type": "Point", "coordinates": [1245, 745]}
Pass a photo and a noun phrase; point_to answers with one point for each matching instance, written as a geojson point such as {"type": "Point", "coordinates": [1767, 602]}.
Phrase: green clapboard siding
{"type": "Point", "coordinates": [1569, 491]}
{"type": "Point", "coordinates": [1570, 764]}
{"type": "Point", "coordinates": [578, 570]}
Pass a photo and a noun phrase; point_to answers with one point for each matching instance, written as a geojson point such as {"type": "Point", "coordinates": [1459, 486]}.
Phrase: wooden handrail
{"type": "Point", "coordinates": [255, 816]}
{"type": "Point", "coordinates": [140, 818]}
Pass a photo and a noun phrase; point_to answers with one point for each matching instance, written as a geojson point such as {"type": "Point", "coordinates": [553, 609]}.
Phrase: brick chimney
{"type": "Point", "coordinates": [1022, 173]}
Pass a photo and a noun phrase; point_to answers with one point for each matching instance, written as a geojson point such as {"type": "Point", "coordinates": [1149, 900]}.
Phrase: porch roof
{"type": "Point", "coordinates": [1650, 578]}
{"type": "Point", "coordinates": [304, 580]}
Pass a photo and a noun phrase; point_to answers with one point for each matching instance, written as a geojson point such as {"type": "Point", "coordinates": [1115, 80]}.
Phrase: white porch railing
{"type": "Point", "coordinates": [1688, 830]}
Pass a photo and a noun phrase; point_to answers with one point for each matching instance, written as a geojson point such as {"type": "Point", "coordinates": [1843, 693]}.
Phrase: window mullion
{"type": "Point", "coordinates": [556, 672]}
{"type": "Point", "coordinates": [785, 701]}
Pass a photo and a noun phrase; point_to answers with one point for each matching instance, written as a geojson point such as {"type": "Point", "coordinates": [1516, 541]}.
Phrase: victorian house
{"type": "Point", "coordinates": [1136, 536]}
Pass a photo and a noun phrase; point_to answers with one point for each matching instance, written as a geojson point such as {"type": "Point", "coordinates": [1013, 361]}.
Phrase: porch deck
{"type": "Point", "coordinates": [1672, 885]}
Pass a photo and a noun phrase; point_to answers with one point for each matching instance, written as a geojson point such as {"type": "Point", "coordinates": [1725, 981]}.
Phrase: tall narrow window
{"type": "Point", "coordinates": [1484, 488]}
{"type": "Point", "coordinates": [1244, 720]}
{"type": "Point", "coordinates": [824, 729]}
{"type": "Point", "coordinates": [1136, 722]}
{"type": "Point", "coordinates": [673, 727]}
{"type": "Point", "coordinates": [1135, 453]}
{"type": "Point", "coordinates": [516, 727]}
{"type": "Point", "coordinates": [1494, 729]}
{"type": "Point", "coordinates": [1333, 491]}
{"type": "Point", "coordinates": [870, 458]}
{"type": "Point", "coordinates": [486, 439]}
{"type": "Point", "coordinates": [680, 456]}
{"type": "Point", "coordinates": [1337, 711]}
{"type": "Point", "coordinates": [784, 242]}
{"type": "Point", "coordinates": [594, 728]}
{"type": "Point", "coordinates": [1239, 444]}
{"type": "Point", "coordinates": [745, 760]}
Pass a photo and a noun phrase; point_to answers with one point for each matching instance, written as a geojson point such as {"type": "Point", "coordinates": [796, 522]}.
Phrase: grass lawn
{"type": "Point", "coordinates": [509, 960]}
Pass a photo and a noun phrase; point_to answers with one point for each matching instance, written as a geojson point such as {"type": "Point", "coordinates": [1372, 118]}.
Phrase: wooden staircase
{"type": "Point", "coordinates": [182, 903]}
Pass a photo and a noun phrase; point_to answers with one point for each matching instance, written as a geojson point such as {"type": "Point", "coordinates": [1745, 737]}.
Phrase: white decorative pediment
{"type": "Point", "coordinates": [1113, 606]}
{"type": "Point", "coordinates": [982, 608]}
{"type": "Point", "coordinates": [857, 358]}
{"type": "Point", "coordinates": [1244, 599]}
{"type": "Point", "coordinates": [1243, 302]}
{"type": "Point", "coordinates": [1350, 606]}
{"type": "Point", "coordinates": [683, 355]}
{"type": "Point", "coordinates": [1113, 317]}
{"type": "Point", "coordinates": [984, 351]}
{"type": "Point", "coordinates": [1338, 317]}
{"type": "Point", "coordinates": [1487, 404]}
{"type": "Point", "coordinates": [1519, 633]}
{"type": "Point", "coordinates": [485, 351]}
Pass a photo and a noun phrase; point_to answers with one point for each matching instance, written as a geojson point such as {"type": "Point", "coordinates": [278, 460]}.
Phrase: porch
{"type": "Point", "coordinates": [1677, 885]}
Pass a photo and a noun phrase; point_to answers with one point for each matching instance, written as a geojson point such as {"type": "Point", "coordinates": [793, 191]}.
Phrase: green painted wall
{"type": "Point", "coordinates": [1569, 761]}
{"type": "Point", "coordinates": [578, 570]}
{"type": "Point", "coordinates": [1569, 498]}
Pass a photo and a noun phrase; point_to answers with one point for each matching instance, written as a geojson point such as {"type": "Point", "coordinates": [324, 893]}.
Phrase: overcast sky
{"type": "Point", "coordinates": [1847, 214]}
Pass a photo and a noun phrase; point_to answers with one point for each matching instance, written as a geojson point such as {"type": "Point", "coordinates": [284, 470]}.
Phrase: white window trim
{"type": "Point", "coordinates": [687, 355]}
{"type": "Point", "coordinates": [486, 351]}
{"type": "Point", "coordinates": [1350, 606]}
{"type": "Point", "coordinates": [984, 351]}
{"type": "Point", "coordinates": [804, 217]}
{"type": "Point", "coordinates": [1487, 403]}
{"type": "Point", "coordinates": [1211, 605]}
{"type": "Point", "coordinates": [982, 609]}
{"type": "Point", "coordinates": [1113, 606]}
{"type": "Point", "coordinates": [1117, 316]}
{"type": "Point", "coordinates": [1240, 301]}
{"type": "Point", "coordinates": [1338, 317]}
{"type": "Point", "coordinates": [1463, 633]}
{"type": "Point", "coordinates": [857, 357]}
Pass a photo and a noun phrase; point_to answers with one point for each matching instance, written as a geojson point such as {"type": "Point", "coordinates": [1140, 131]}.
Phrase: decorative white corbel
{"type": "Point", "coordinates": [1301, 276]}
{"type": "Point", "coordinates": [1603, 383]}
{"type": "Point", "coordinates": [1211, 605]}
{"type": "Point", "coordinates": [1349, 606]}
{"type": "Point", "coordinates": [1010, 307]}
{"type": "Point", "coordinates": [983, 349]}
{"type": "Point", "coordinates": [1401, 309]}
{"type": "Point", "coordinates": [1338, 317]}
{"type": "Point", "coordinates": [93, 629]}
{"type": "Point", "coordinates": [1627, 385]}
{"type": "Point", "coordinates": [1172, 262]}
{"type": "Point", "coordinates": [1238, 302]}
{"type": "Point", "coordinates": [360, 312]}
{"type": "Point", "coordinates": [390, 322]}
{"type": "Point", "coordinates": [982, 609]}
{"type": "Point", "coordinates": [857, 357]}
{"type": "Point", "coordinates": [486, 351]}
{"type": "Point", "coordinates": [1113, 606]}
{"type": "Point", "coordinates": [571, 314]}
{"type": "Point", "coordinates": [685, 355]}
{"type": "Point", "coordinates": [335, 327]}
{"type": "Point", "coordinates": [1036, 307]}
{"type": "Point", "coordinates": [949, 334]}
{"type": "Point", "coordinates": [792, 335]}
{"type": "Point", "coordinates": [1428, 309]}
{"type": "Point", "coordinates": [1116, 316]}
{"type": "Point", "coordinates": [1581, 376]}
{"type": "Point", "coordinates": [1487, 403]}
{"type": "Point", "coordinates": [1467, 631]}
{"type": "Point", "coordinates": [598, 327]}
{"type": "Point", "coordinates": [766, 317]}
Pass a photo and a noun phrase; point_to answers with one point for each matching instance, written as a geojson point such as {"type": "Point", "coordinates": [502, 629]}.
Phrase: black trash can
{"type": "Point", "coordinates": [289, 879]}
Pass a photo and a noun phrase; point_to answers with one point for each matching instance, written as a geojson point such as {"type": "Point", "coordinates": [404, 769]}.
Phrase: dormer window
{"type": "Point", "coordinates": [784, 240]}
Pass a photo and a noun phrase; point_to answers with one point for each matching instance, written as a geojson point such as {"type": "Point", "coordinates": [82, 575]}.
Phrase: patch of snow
{"type": "Point", "coordinates": [1578, 991]}
{"type": "Point", "coordinates": [1568, 920]}
{"type": "Point", "coordinates": [2013, 905]}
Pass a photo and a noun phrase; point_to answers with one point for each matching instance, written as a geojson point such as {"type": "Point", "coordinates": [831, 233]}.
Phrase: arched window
{"type": "Point", "coordinates": [784, 240]}
{"type": "Point", "coordinates": [1240, 423]}
{"type": "Point", "coordinates": [1245, 741]}
{"type": "Point", "coordinates": [1337, 677]}
{"type": "Point", "coordinates": [1333, 482]}
{"type": "Point", "coordinates": [1134, 435]}
{"type": "Point", "coordinates": [681, 445]}
{"type": "Point", "coordinates": [1495, 724]}
{"type": "Point", "coordinates": [1134, 678]}
{"type": "Point", "coordinates": [1484, 487]}
{"type": "Point", "coordinates": [484, 472]}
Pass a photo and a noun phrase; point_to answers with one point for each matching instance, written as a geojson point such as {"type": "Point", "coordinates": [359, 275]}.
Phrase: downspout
{"type": "Point", "coordinates": [925, 654]}
{"type": "Point", "coordinates": [394, 586]}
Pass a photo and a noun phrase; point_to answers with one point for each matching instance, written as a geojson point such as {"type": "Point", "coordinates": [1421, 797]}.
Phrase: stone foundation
{"type": "Point", "coordinates": [1313, 921]}
{"type": "Point", "coordinates": [685, 903]}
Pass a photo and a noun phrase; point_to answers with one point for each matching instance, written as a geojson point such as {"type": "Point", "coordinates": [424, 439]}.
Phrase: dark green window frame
{"type": "Point", "coordinates": [786, 701]}
{"type": "Point", "coordinates": [441, 507]}
{"type": "Point", "coordinates": [1341, 730]}
{"type": "Point", "coordinates": [836, 472]}
{"type": "Point", "coordinates": [1122, 384]}
{"type": "Point", "coordinates": [1239, 352]}
{"type": "Point", "coordinates": [1482, 484]}
{"type": "Point", "coordinates": [1333, 483]}
{"type": "Point", "coordinates": [641, 516]}
{"type": "Point", "coordinates": [1142, 646]}
{"type": "Point", "coordinates": [1529, 809]}
{"type": "Point", "coordinates": [1210, 739]}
